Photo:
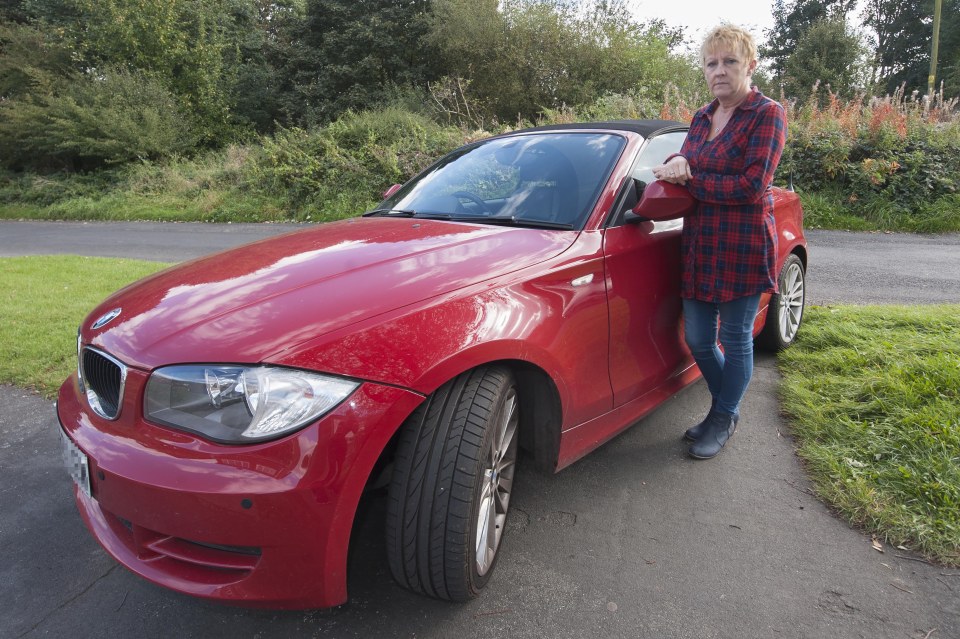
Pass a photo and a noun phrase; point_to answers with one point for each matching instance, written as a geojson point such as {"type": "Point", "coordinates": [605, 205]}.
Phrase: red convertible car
{"type": "Point", "coordinates": [520, 294]}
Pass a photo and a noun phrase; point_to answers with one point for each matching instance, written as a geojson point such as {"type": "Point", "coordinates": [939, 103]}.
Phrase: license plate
{"type": "Point", "coordinates": [76, 463]}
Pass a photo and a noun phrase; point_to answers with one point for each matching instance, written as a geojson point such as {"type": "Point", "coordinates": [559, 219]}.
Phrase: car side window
{"type": "Point", "coordinates": [655, 150]}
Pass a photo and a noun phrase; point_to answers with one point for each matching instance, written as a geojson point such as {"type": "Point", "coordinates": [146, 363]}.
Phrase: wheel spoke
{"type": "Point", "coordinates": [507, 427]}
{"type": "Point", "coordinates": [498, 483]}
{"type": "Point", "coordinates": [485, 523]}
{"type": "Point", "coordinates": [790, 309]}
{"type": "Point", "coordinates": [493, 533]}
{"type": "Point", "coordinates": [505, 488]}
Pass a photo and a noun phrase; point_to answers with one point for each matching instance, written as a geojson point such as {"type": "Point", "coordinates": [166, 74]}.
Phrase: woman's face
{"type": "Point", "coordinates": [728, 73]}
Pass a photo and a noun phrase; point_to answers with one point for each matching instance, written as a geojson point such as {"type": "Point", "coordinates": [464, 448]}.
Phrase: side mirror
{"type": "Point", "coordinates": [393, 189]}
{"type": "Point", "coordinates": [663, 201]}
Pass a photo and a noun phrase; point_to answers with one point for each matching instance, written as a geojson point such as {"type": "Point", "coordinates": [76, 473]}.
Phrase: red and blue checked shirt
{"type": "Point", "coordinates": [729, 244]}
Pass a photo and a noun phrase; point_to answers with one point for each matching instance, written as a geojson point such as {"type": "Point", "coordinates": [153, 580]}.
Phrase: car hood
{"type": "Point", "coordinates": [248, 303]}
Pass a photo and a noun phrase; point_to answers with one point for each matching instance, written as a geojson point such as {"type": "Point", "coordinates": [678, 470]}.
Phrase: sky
{"type": "Point", "coordinates": [698, 16]}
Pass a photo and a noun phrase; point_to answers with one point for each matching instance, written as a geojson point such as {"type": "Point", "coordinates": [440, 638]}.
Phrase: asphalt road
{"type": "Point", "coordinates": [635, 540]}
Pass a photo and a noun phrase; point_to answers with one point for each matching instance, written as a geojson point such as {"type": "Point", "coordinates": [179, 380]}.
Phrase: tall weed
{"type": "Point", "coordinates": [900, 148]}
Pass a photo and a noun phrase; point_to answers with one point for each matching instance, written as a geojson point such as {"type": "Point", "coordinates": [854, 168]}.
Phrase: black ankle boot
{"type": "Point", "coordinates": [718, 428]}
{"type": "Point", "coordinates": [696, 432]}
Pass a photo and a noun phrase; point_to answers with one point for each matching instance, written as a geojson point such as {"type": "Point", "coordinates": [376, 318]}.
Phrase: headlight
{"type": "Point", "coordinates": [240, 404]}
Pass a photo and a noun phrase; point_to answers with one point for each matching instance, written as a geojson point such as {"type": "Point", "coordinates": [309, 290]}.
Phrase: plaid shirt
{"type": "Point", "coordinates": [729, 243]}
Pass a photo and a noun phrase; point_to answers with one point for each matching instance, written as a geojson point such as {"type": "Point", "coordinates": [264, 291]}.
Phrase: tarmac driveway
{"type": "Point", "coordinates": [635, 540]}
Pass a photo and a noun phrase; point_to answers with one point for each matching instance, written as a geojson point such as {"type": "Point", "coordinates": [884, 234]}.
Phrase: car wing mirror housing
{"type": "Point", "coordinates": [662, 201]}
{"type": "Point", "coordinates": [393, 189]}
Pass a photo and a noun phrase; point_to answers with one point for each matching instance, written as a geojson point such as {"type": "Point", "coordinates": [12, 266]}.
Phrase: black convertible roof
{"type": "Point", "coordinates": [645, 128]}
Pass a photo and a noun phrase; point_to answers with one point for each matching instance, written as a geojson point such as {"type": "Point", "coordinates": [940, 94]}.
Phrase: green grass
{"type": "Point", "coordinates": [873, 394]}
{"type": "Point", "coordinates": [832, 209]}
{"type": "Point", "coordinates": [209, 189]}
{"type": "Point", "coordinates": [42, 301]}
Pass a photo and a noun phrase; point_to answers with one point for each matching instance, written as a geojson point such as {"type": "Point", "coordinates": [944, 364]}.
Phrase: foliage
{"type": "Point", "coordinates": [828, 53]}
{"type": "Point", "coordinates": [340, 170]}
{"type": "Point", "coordinates": [260, 91]}
{"type": "Point", "coordinates": [881, 164]}
{"type": "Point", "coordinates": [873, 397]}
{"type": "Point", "coordinates": [791, 21]}
{"type": "Point", "coordinates": [521, 57]}
{"type": "Point", "coordinates": [31, 60]}
{"type": "Point", "coordinates": [948, 62]}
{"type": "Point", "coordinates": [213, 187]}
{"type": "Point", "coordinates": [331, 101]}
{"type": "Point", "coordinates": [903, 32]}
{"type": "Point", "coordinates": [185, 43]}
{"type": "Point", "coordinates": [891, 161]}
{"type": "Point", "coordinates": [109, 117]}
{"type": "Point", "coordinates": [353, 55]}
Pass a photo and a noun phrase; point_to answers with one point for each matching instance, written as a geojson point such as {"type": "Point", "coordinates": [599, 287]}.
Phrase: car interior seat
{"type": "Point", "coordinates": [547, 188]}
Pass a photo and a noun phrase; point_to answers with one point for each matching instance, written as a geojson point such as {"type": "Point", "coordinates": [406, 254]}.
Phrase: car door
{"type": "Point", "coordinates": [642, 267]}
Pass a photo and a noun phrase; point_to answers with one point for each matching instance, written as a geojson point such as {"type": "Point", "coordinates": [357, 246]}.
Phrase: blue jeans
{"type": "Point", "coordinates": [727, 372]}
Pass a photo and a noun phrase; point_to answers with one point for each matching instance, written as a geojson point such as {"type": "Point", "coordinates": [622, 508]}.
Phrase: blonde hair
{"type": "Point", "coordinates": [732, 38]}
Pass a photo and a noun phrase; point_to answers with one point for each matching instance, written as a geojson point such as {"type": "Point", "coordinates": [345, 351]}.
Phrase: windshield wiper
{"type": "Point", "coordinates": [435, 216]}
{"type": "Point", "coordinates": [409, 213]}
{"type": "Point", "coordinates": [501, 220]}
{"type": "Point", "coordinates": [389, 213]}
{"type": "Point", "coordinates": [513, 220]}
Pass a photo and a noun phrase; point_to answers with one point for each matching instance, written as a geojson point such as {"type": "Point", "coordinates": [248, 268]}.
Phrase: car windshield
{"type": "Point", "coordinates": [547, 180]}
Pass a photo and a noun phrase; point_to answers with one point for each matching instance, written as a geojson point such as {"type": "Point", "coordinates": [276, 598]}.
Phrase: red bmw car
{"type": "Point", "coordinates": [521, 293]}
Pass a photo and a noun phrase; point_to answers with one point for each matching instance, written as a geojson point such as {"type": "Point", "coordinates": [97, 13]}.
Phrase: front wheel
{"type": "Point", "coordinates": [786, 307]}
{"type": "Point", "coordinates": [452, 483]}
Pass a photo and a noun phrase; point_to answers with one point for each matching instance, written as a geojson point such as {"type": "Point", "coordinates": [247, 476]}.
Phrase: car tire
{"type": "Point", "coordinates": [785, 312]}
{"type": "Point", "coordinates": [451, 485]}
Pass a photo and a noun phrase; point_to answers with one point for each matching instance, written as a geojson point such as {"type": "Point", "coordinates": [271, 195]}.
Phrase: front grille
{"type": "Point", "coordinates": [103, 379]}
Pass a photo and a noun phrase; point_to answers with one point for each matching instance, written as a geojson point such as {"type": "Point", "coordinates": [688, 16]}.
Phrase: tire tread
{"type": "Point", "coordinates": [432, 492]}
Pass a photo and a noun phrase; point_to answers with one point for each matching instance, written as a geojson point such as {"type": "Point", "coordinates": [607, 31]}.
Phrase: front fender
{"type": "Point", "coordinates": [546, 321]}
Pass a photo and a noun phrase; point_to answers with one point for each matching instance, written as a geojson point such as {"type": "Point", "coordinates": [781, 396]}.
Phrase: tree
{"type": "Point", "coordinates": [263, 93]}
{"type": "Point", "coordinates": [12, 11]}
{"type": "Point", "coordinates": [355, 54]}
{"type": "Point", "coordinates": [948, 64]}
{"type": "Point", "coordinates": [188, 46]}
{"type": "Point", "coordinates": [902, 29]}
{"type": "Point", "coordinates": [31, 60]}
{"type": "Point", "coordinates": [903, 32]}
{"type": "Point", "coordinates": [182, 42]}
{"type": "Point", "coordinates": [107, 117]}
{"type": "Point", "coordinates": [830, 54]}
{"type": "Point", "coordinates": [521, 57]}
{"type": "Point", "coordinates": [791, 21]}
{"type": "Point", "coordinates": [81, 79]}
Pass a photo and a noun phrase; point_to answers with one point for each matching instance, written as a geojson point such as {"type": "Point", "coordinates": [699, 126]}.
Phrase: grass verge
{"type": "Point", "coordinates": [832, 209]}
{"type": "Point", "coordinates": [42, 301]}
{"type": "Point", "coordinates": [874, 398]}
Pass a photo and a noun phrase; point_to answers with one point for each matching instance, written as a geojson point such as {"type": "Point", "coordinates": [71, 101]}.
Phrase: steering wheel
{"type": "Point", "coordinates": [475, 199]}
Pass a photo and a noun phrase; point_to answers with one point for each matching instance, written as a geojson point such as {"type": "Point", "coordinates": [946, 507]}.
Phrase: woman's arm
{"type": "Point", "coordinates": [763, 149]}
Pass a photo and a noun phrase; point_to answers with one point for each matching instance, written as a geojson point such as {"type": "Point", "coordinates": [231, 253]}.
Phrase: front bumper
{"type": "Point", "coordinates": [261, 525]}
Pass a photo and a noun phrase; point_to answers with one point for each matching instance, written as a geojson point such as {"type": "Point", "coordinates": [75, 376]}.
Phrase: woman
{"type": "Point", "coordinates": [729, 245]}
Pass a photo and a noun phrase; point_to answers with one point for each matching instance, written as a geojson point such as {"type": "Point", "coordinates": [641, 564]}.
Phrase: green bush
{"type": "Point", "coordinates": [890, 162]}
{"type": "Point", "coordinates": [44, 190]}
{"type": "Point", "coordinates": [341, 169]}
{"type": "Point", "coordinates": [857, 168]}
{"type": "Point", "coordinates": [91, 120]}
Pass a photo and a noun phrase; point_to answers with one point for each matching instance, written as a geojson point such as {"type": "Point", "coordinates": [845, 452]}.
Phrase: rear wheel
{"type": "Point", "coordinates": [452, 483]}
{"type": "Point", "coordinates": [786, 307]}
